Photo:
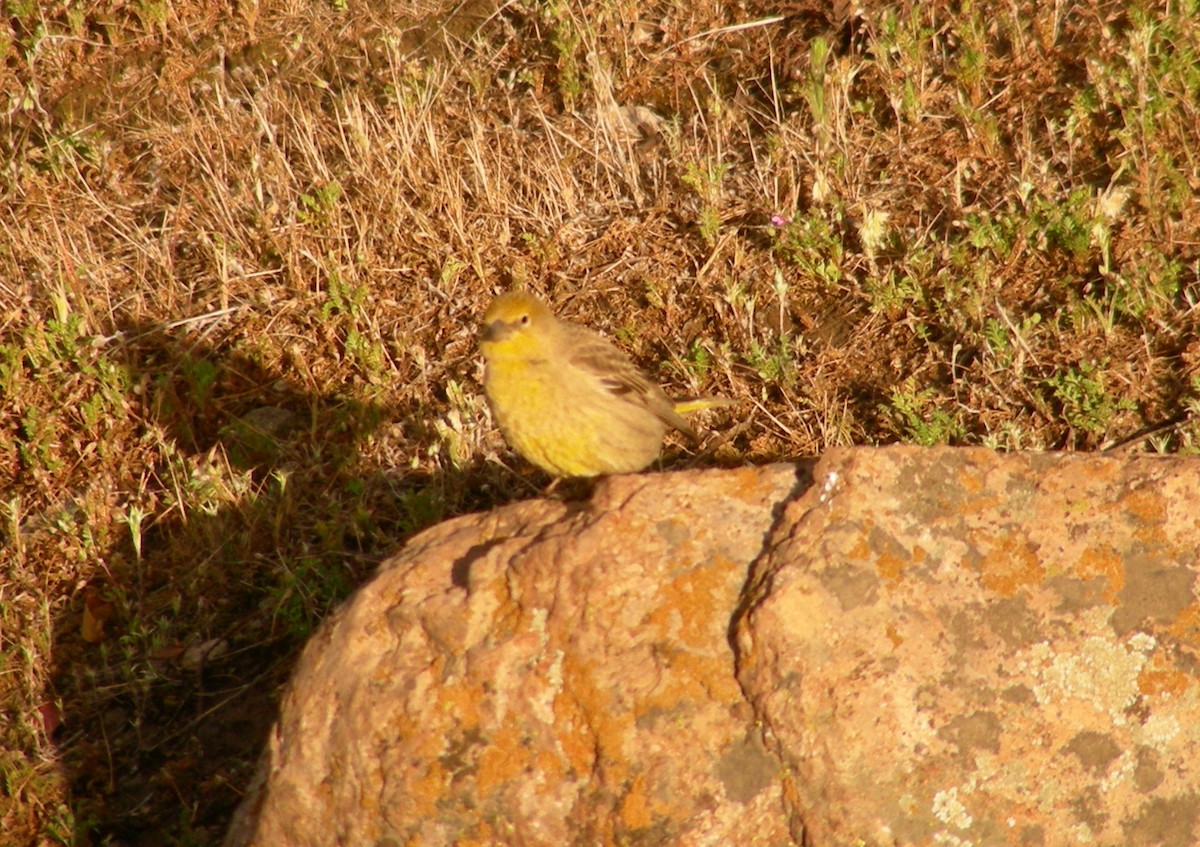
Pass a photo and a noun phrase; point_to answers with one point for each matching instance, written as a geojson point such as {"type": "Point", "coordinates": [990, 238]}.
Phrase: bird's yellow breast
{"type": "Point", "coordinates": [565, 423]}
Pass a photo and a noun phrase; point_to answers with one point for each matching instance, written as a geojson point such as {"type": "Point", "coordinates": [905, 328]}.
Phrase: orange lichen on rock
{"type": "Point", "coordinates": [1103, 560]}
{"type": "Point", "coordinates": [1009, 564]}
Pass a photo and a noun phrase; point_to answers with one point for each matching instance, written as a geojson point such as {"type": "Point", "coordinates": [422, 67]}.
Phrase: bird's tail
{"type": "Point", "coordinates": [694, 404]}
{"type": "Point", "coordinates": [688, 405]}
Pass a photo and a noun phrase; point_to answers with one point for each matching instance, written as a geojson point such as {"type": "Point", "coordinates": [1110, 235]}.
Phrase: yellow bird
{"type": "Point", "coordinates": [568, 400]}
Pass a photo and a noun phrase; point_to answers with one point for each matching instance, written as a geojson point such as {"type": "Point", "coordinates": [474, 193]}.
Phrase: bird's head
{"type": "Point", "coordinates": [517, 324]}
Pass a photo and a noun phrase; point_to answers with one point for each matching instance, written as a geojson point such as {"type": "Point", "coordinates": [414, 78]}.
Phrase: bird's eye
{"type": "Point", "coordinates": [524, 320]}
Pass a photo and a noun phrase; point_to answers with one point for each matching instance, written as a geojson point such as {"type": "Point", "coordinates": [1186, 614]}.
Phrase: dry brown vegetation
{"type": "Point", "coordinates": [244, 247]}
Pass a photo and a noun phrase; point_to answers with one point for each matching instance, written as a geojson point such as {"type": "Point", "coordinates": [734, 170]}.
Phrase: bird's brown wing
{"type": "Point", "coordinates": [617, 374]}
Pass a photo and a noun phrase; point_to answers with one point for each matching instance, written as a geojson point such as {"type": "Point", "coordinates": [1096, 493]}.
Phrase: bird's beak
{"type": "Point", "coordinates": [495, 331]}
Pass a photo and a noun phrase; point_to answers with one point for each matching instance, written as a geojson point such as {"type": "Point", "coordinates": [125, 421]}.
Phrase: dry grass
{"type": "Point", "coordinates": [242, 258]}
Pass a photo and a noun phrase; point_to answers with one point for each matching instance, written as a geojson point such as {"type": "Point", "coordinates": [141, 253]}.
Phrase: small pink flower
{"type": "Point", "coordinates": [780, 221]}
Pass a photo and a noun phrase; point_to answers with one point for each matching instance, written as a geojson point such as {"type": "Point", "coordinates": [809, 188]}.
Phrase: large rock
{"type": "Point", "coordinates": [547, 674]}
{"type": "Point", "coordinates": [963, 648]}
{"type": "Point", "coordinates": [933, 647]}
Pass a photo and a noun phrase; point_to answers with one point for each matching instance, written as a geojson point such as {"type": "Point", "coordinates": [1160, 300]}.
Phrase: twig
{"type": "Point", "coordinates": [722, 30]}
